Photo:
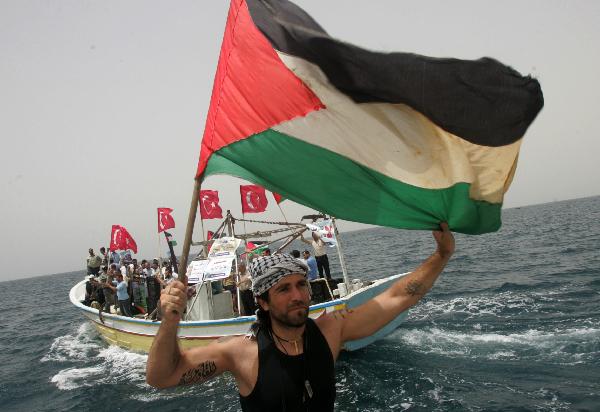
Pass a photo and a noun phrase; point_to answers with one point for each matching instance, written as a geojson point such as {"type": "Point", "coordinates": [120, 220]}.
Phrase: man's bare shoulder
{"type": "Point", "coordinates": [333, 319]}
{"type": "Point", "coordinates": [239, 346]}
{"type": "Point", "coordinates": [331, 325]}
{"type": "Point", "coordinates": [235, 342]}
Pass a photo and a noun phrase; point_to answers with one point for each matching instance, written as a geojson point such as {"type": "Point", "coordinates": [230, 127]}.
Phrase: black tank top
{"type": "Point", "coordinates": [280, 374]}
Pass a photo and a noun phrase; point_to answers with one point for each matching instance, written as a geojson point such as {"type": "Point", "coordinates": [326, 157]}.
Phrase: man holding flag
{"type": "Point", "coordinates": [289, 358]}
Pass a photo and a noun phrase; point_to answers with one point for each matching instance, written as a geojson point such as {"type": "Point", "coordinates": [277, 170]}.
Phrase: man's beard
{"type": "Point", "coordinates": [295, 319]}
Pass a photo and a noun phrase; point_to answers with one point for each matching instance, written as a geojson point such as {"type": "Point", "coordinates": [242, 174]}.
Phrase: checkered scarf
{"type": "Point", "coordinates": [268, 270]}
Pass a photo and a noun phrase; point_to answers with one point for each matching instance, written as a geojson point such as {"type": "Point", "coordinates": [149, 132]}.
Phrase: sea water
{"type": "Point", "coordinates": [513, 324]}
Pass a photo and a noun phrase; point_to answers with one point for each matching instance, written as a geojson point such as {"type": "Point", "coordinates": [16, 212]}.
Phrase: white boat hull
{"type": "Point", "coordinates": [138, 334]}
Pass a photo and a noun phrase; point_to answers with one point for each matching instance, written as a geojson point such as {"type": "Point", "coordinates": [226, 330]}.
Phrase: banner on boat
{"type": "Point", "coordinates": [218, 268]}
{"type": "Point", "coordinates": [208, 270]}
{"type": "Point", "coordinates": [325, 230]}
{"type": "Point", "coordinates": [224, 247]}
{"type": "Point", "coordinates": [195, 272]}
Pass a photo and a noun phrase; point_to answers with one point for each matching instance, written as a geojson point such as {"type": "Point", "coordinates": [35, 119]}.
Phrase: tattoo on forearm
{"type": "Point", "coordinates": [415, 288]}
{"type": "Point", "coordinates": [202, 373]}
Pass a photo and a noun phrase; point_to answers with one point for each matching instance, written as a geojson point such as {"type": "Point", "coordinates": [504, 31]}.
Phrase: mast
{"type": "Point", "coordinates": [341, 254]}
{"type": "Point", "coordinates": [187, 242]}
{"type": "Point", "coordinates": [229, 227]}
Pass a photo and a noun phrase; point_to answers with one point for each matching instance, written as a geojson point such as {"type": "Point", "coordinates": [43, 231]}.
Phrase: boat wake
{"type": "Point", "coordinates": [566, 346]}
{"type": "Point", "coordinates": [79, 346]}
{"type": "Point", "coordinates": [91, 363]}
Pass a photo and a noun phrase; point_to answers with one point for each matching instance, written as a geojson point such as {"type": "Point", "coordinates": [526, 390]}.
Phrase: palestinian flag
{"type": "Point", "coordinates": [170, 240]}
{"type": "Point", "coordinates": [252, 249]}
{"type": "Point", "coordinates": [392, 139]}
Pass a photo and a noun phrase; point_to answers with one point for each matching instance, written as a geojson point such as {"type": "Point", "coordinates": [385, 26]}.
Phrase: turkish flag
{"type": "Point", "coordinates": [254, 199]}
{"type": "Point", "coordinates": [165, 220]}
{"type": "Point", "coordinates": [115, 238]}
{"type": "Point", "coordinates": [120, 239]}
{"type": "Point", "coordinates": [209, 235]}
{"type": "Point", "coordinates": [278, 197]}
{"type": "Point", "coordinates": [209, 205]}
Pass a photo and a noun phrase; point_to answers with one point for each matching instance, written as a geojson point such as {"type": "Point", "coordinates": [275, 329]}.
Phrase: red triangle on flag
{"type": "Point", "coordinates": [253, 90]}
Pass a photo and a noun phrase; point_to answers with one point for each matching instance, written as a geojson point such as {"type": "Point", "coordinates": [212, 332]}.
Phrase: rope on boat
{"type": "Point", "coordinates": [270, 223]}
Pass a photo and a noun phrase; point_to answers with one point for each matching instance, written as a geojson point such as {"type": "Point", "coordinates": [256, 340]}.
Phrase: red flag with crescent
{"type": "Point", "coordinates": [209, 205]}
{"type": "Point", "coordinates": [278, 198]}
{"type": "Point", "coordinates": [165, 220]}
{"type": "Point", "coordinates": [254, 199]}
{"type": "Point", "coordinates": [120, 239]}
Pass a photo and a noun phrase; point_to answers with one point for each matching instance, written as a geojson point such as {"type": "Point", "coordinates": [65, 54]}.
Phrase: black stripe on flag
{"type": "Point", "coordinates": [482, 101]}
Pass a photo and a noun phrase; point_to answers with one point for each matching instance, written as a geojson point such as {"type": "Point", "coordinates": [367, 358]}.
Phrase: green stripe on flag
{"type": "Point", "coordinates": [258, 250]}
{"type": "Point", "coordinates": [328, 182]}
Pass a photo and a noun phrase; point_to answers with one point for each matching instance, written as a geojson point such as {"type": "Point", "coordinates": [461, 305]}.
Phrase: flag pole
{"type": "Point", "coordinates": [205, 247]}
{"type": "Point", "coordinates": [245, 231]}
{"type": "Point", "coordinates": [159, 257]}
{"type": "Point", "coordinates": [283, 214]}
{"type": "Point", "coordinates": [340, 254]}
{"type": "Point", "coordinates": [187, 242]}
{"type": "Point", "coordinates": [171, 251]}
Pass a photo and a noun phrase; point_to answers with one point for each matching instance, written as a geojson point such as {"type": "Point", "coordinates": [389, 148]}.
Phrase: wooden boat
{"type": "Point", "coordinates": [137, 334]}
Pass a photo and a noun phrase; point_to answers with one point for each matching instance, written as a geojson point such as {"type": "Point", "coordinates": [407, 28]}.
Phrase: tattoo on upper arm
{"type": "Point", "coordinates": [341, 314]}
{"type": "Point", "coordinates": [414, 288]}
{"type": "Point", "coordinates": [202, 373]}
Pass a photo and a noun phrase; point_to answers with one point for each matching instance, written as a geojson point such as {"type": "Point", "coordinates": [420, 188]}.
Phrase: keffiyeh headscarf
{"type": "Point", "coordinates": [268, 270]}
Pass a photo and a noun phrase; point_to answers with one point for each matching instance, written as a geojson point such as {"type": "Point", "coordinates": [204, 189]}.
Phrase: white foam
{"type": "Point", "coordinates": [101, 364]}
{"type": "Point", "coordinates": [73, 347]}
{"type": "Point", "coordinates": [476, 306]}
{"type": "Point", "coordinates": [74, 378]}
{"type": "Point", "coordinates": [509, 354]}
{"type": "Point", "coordinates": [497, 345]}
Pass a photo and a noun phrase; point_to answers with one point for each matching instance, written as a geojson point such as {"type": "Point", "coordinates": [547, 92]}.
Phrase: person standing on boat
{"type": "Point", "coordinates": [287, 362]}
{"type": "Point", "coordinates": [311, 262]}
{"type": "Point", "coordinates": [109, 297]}
{"type": "Point", "coordinates": [120, 286]}
{"type": "Point", "coordinates": [104, 256]}
{"type": "Point", "coordinates": [93, 263]}
{"type": "Point", "coordinates": [153, 285]}
{"type": "Point", "coordinates": [319, 247]}
{"type": "Point", "coordinates": [115, 258]}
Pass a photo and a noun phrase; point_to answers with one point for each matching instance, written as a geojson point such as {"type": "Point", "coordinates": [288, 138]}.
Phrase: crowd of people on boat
{"type": "Point", "coordinates": [119, 284]}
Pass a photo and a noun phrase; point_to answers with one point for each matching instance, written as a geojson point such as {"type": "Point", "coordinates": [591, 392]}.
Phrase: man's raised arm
{"type": "Point", "coordinates": [167, 364]}
{"type": "Point", "coordinates": [407, 291]}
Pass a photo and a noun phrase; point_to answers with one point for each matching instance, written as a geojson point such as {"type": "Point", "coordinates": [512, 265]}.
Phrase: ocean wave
{"type": "Point", "coordinates": [75, 378]}
{"type": "Point", "coordinates": [74, 347]}
{"type": "Point", "coordinates": [500, 305]}
{"type": "Point", "coordinates": [559, 299]}
{"type": "Point", "coordinates": [510, 286]}
{"type": "Point", "coordinates": [109, 365]}
{"type": "Point", "coordinates": [572, 345]}
{"type": "Point", "coordinates": [103, 365]}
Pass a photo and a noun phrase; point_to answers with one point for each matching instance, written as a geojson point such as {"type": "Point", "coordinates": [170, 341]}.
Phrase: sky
{"type": "Point", "coordinates": [103, 105]}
